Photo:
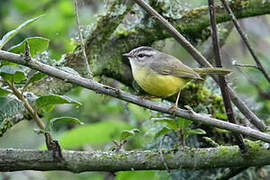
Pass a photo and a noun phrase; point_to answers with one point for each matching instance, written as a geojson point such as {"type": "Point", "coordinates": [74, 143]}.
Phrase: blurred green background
{"type": "Point", "coordinates": [106, 117]}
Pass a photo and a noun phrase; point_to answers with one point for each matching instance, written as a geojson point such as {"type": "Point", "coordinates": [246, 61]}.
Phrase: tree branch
{"type": "Point", "coordinates": [245, 40]}
{"type": "Point", "coordinates": [185, 158]}
{"type": "Point", "coordinates": [117, 93]}
{"type": "Point", "coordinates": [108, 60]}
{"type": "Point", "coordinates": [202, 61]}
{"type": "Point", "coordinates": [222, 82]}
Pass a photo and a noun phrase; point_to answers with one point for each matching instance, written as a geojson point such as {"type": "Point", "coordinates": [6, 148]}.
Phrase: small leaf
{"type": "Point", "coordinates": [183, 123]}
{"type": "Point", "coordinates": [170, 122]}
{"type": "Point", "coordinates": [36, 44]}
{"type": "Point", "coordinates": [4, 92]}
{"type": "Point", "coordinates": [195, 131]}
{"type": "Point", "coordinates": [65, 119]}
{"type": "Point", "coordinates": [128, 133]}
{"type": "Point", "coordinates": [49, 100]}
{"type": "Point", "coordinates": [47, 108]}
{"type": "Point", "coordinates": [12, 33]}
{"type": "Point", "coordinates": [12, 73]}
{"type": "Point", "coordinates": [220, 115]}
{"type": "Point", "coordinates": [162, 132]}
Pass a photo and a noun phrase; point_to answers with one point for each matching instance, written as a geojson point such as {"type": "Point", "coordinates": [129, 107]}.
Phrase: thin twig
{"type": "Point", "coordinates": [20, 96]}
{"type": "Point", "coordinates": [222, 81]}
{"type": "Point", "coordinates": [262, 93]}
{"type": "Point", "coordinates": [244, 65]}
{"type": "Point", "coordinates": [202, 61]}
{"type": "Point", "coordinates": [117, 93]}
{"type": "Point", "coordinates": [51, 144]}
{"type": "Point", "coordinates": [90, 74]}
{"type": "Point", "coordinates": [245, 39]}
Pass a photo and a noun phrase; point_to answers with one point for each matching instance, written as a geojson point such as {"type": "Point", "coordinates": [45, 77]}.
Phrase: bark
{"type": "Point", "coordinates": [182, 158]}
{"type": "Point", "coordinates": [106, 56]}
{"type": "Point", "coordinates": [117, 93]}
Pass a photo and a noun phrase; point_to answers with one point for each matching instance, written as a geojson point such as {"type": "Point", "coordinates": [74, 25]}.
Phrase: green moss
{"type": "Point", "coordinates": [153, 154]}
{"type": "Point", "coordinates": [225, 150]}
{"type": "Point", "coordinates": [203, 152]}
{"type": "Point", "coordinates": [254, 146]}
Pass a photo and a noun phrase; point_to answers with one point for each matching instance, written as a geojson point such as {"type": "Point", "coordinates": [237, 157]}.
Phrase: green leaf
{"type": "Point", "coordinates": [220, 115]}
{"type": "Point", "coordinates": [47, 108]}
{"type": "Point", "coordinates": [170, 122]}
{"type": "Point", "coordinates": [195, 131]}
{"type": "Point", "coordinates": [183, 123]}
{"type": "Point", "coordinates": [4, 92]}
{"type": "Point", "coordinates": [36, 44]}
{"type": "Point", "coordinates": [35, 77]}
{"type": "Point", "coordinates": [162, 132]}
{"type": "Point", "coordinates": [128, 133]}
{"type": "Point", "coordinates": [12, 33]}
{"type": "Point", "coordinates": [12, 73]}
{"type": "Point", "coordinates": [9, 107]}
{"type": "Point", "coordinates": [65, 119]}
{"type": "Point", "coordinates": [49, 100]}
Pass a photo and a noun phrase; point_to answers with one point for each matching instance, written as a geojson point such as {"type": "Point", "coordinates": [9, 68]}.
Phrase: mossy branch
{"type": "Point", "coordinates": [105, 51]}
{"type": "Point", "coordinates": [184, 158]}
{"type": "Point", "coordinates": [117, 93]}
{"type": "Point", "coordinates": [109, 62]}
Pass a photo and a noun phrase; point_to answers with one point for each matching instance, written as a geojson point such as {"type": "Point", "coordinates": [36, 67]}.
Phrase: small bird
{"type": "Point", "coordinates": [163, 75]}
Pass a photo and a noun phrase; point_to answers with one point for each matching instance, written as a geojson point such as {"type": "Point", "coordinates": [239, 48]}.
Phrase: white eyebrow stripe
{"type": "Point", "coordinates": [144, 49]}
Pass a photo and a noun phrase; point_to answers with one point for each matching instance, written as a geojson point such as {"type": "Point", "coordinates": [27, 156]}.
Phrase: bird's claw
{"type": "Point", "coordinates": [173, 109]}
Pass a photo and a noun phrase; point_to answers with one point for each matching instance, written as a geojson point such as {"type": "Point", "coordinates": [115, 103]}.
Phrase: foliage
{"type": "Point", "coordinates": [109, 122]}
{"type": "Point", "coordinates": [179, 125]}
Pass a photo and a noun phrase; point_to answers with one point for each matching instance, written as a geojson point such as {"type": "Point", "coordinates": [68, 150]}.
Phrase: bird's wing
{"type": "Point", "coordinates": [169, 65]}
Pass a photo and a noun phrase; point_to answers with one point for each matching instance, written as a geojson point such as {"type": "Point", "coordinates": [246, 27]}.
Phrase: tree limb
{"type": "Point", "coordinates": [108, 60]}
{"type": "Point", "coordinates": [117, 93]}
{"type": "Point", "coordinates": [105, 56]}
{"type": "Point", "coordinates": [222, 81]}
{"type": "Point", "coordinates": [202, 61]}
{"type": "Point", "coordinates": [184, 158]}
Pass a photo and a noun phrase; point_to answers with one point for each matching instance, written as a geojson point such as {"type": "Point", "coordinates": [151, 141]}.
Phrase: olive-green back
{"type": "Point", "coordinates": [168, 65]}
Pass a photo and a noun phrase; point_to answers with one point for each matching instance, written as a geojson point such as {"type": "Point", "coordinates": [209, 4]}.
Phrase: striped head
{"type": "Point", "coordinates": [141, 56]}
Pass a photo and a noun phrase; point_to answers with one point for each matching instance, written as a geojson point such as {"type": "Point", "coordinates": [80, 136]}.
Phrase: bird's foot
{"type": "Point", "coordinates": [173, 109]}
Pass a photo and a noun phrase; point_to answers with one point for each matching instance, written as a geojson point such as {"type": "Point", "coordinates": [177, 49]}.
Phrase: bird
{"type": "Point", "coordinates": [163, 75]}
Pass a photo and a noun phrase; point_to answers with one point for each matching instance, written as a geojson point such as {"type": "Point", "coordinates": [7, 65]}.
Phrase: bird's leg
{"type": "Point", "coordinates": [173, 107]}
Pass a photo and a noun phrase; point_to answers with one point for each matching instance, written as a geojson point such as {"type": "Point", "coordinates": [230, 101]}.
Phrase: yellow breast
{"type": "Point", "coordinates": [158, 85]}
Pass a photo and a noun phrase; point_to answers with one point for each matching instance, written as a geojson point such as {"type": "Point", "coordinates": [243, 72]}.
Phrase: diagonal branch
{"type": "Point", "coordinates": [203, 61]}
{"type": "Point", "coordinates": [117, 93]}
{"type": "Point", "coordinates": [90, 74]}
{"type": "Point", "coordinates": [108, 62]}
{"type": "Point", "coordinates": [222, 82]}
{"type": "Point", "coordinates": [245, 39]}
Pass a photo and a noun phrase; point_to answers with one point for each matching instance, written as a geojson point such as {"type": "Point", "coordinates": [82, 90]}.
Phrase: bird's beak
{"type": "Point", "coordinates": [127, 55]}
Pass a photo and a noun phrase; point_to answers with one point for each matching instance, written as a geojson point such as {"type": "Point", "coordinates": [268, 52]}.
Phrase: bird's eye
{"type": "Point", "coordinates": [140, 55]}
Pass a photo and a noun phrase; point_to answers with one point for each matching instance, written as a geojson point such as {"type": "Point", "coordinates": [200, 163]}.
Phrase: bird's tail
{"type": "Point", "coordinates": [212, 71]}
